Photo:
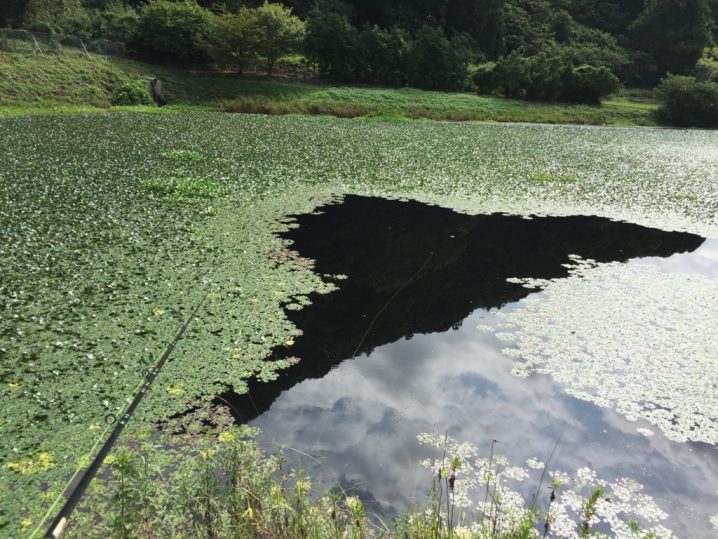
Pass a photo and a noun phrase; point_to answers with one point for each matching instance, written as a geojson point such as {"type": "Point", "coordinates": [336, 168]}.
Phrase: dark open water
{"type": "Point", "coordinates": [395, 352]}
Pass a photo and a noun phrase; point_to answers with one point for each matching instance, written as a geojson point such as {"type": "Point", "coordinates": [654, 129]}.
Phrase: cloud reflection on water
{"type": "Point", "coordinates": [361, 420]}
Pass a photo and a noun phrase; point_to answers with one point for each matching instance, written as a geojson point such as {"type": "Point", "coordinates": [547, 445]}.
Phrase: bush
{"type": "Point", "coordinates": [38, 26]}
{"type": "Point", "coordinates": [687, 102]}
{"type": "Point", "coordinates": [706, 69]}
{"type": "Point", "coordinates": [588, 84]}
{"type": "Point", "coordinates": [169, 30]}
{"type": "Point", "coordinates": [132, 93]}
{"type": "Point", "coordinates": [484, 77]}
{"type": "Point", "coordinates": [513, 75]}
{"type": "Point", "coordinates": [545, 78]}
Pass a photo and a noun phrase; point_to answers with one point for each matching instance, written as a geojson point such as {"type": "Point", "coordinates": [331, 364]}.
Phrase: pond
{"type": "Point", "coordinates": [418, 339]}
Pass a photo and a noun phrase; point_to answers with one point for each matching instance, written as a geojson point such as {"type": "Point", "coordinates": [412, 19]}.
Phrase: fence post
{"type": "Point", "coordinates": [83, 46]}
{"type": "Point", "coordinates": [36, 46]}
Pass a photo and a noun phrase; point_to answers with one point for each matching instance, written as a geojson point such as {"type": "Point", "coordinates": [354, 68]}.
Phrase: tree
{"type": "Point", "coordinates": [332, 42]}
{"type": "Point", "coordinates": [588, 84]}
{"type": "Point", "coordinates": [280, 32]}
{"type": "Point", "coordinates": [687, 102]}
{"type": "Point", "coordinates": [118, 22]}
{"type": "Point", "coordinates": [435, 62]}
{"type": "Point", "coordinates": [512, 75]}
{"type": "Point", "coordinates": [482, 19]}
{"type": "Point", "coordinates": [383, 55]}
{"type": "Point", "coordinates": [12, 12]}
{"type": "Point", "coordinates": [170, 30]}
{"type": "Point", "coordinates": [674, 32]}
{"type": "Point", "coordinates": [232, 39]}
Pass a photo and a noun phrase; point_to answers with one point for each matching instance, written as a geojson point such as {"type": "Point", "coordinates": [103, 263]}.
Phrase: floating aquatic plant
{"type": "Point", "coordinates": [490, 493]}
{"type": "Point", "coordinates": [625, 336]}
{"type": "Point", "coordinates": [92, 251]}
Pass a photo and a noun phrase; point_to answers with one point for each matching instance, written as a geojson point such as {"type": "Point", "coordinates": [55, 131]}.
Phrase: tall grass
{"type": "Point", "coordinates": [224, 486]}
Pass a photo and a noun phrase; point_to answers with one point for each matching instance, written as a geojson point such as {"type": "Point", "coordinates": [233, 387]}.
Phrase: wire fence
{"type": "Point", "coordinates": [18, 40]}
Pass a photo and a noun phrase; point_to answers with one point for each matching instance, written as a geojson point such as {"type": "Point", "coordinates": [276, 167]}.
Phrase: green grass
{"type": "Point", "coordinates": [30, 83]}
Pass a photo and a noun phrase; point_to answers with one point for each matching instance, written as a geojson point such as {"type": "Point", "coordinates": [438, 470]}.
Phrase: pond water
{"type": "Point", "coordinates": [395, 352]}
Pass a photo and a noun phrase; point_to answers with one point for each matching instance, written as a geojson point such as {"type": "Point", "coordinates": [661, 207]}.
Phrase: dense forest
{"type": "Point", "coordinates": [565, 50]}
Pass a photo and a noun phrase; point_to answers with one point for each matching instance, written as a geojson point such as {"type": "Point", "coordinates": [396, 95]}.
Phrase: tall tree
{"type": "Point", "coordinates": [12, 12]}
{"type": "Point", "coordinates": [232, 38]}
{"type": "Point", "coordinates": [674, 32]}
{"type": "Point", "coordinates": [481, 19]}
{"type": "Point", "coordinates": [331, 41]}
{"type": "Point", "coordinates": [280, 32]}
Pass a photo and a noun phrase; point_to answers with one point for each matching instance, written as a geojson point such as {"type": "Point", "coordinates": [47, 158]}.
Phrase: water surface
{"type": "Point", "coordinates": [395, 352]}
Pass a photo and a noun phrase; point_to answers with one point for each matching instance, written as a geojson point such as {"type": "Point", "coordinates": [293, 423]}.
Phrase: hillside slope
{"type": "Point", "coordinates": [45, 82]}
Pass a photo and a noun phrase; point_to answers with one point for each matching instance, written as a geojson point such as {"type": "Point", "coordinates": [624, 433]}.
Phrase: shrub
{"type": "Point", "coordinates": [588, 84]}
{"type": "Point", "coordinates": [132, 93]}
{"type": "Point", "coordinates": [513, 75]}
{"type": "Point", "coordinates": [78, 21]}
{"type": "Point", "coordinates": [169, 29]}
{"type": "Point", "coordinates": [706, 69]}
{"type": "Point", "coordinates": [5, 43]}
{"type": "Point", "coordinates": [687, 102]}
{"type": "Point", "coordinates": [545, 78]}
{"type": "Point", "coordinates": [39, 26]}
{"type": "Point", "coordinates": [484, 77]}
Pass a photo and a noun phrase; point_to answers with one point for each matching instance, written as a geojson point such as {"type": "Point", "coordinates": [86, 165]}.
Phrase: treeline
{"type": "Point", "coordinates": [569, 50]}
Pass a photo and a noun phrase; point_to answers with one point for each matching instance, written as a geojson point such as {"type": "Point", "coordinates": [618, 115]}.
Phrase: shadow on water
{"type": "Point", "coordinates": [414, 269]}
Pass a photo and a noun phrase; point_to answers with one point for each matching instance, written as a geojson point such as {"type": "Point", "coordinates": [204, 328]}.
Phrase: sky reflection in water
{"type": "Point", "coordinates": [358, 423]}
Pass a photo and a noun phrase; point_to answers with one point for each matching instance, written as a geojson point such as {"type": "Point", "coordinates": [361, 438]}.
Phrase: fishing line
{"type": "Point", "coordinates": [61, 520]}
{"type": "Point", "coordinates": [371, 324]}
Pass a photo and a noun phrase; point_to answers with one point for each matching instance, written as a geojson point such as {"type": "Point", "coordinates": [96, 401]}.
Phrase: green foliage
{"type": "Point", "coordinates": [588, 84]}
{"type": "Point", "coordinates": [483, 20]}
{"type": "Point", "coordinates": [118, 22]}
{"type": "Point", "coordinates": [12, 13]}
{"type": "Point", "coordinates": [132, 93]}
{"type": "Point", "coordinates": [675, 32]}
{"type": "Point", "coordinates": [169, 29]}
{"type": "Point", "coordinates": [232, 38]}
{"type": "Point", "coordinates": [688, 102]}
{"type": "Point", "coordinates": [593, 47]}
{"type": "Point", "coordinates": [383, 55]}
{"type": "Point", "coordinates": [331, 43]}
{"type": "Point", "coordinates": [484, 79]}
{"type": "Point", "coordinates": [437, 63]}
{"type": "Point", "coordinates": [544, 78]}
{"type": "Point", "coordinates": [280, 33]}
{"type": "Point", "coordinates": [34, 79]}
{"type": "Point", "coordinates": [133, 255]}
{"type": "Point", "coordinates": [706, 69]}
{"type": "Point", "coordinates": [183, 190]}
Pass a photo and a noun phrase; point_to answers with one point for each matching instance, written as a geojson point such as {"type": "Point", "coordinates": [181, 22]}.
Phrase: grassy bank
{"type": "Point", "coordinates": [70, 82]}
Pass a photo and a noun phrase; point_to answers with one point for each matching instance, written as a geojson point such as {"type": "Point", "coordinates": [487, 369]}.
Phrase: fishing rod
{"type": "Point", "coordinates": [75, 493]}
